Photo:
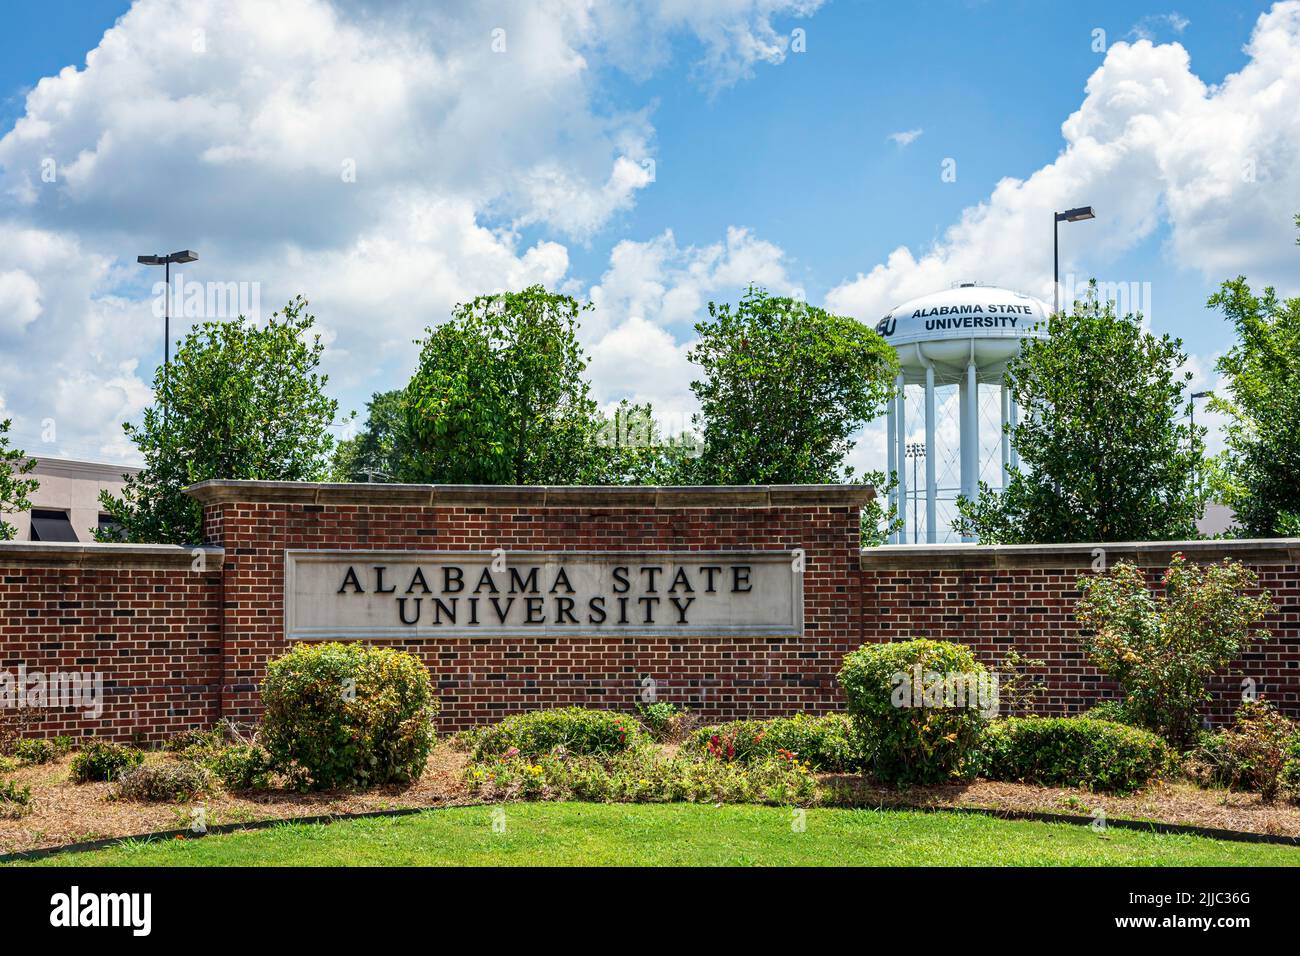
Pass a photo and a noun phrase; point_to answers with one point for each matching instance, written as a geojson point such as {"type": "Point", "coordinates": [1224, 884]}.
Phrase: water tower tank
{"type": "Point", "coordinates": [963, 337]}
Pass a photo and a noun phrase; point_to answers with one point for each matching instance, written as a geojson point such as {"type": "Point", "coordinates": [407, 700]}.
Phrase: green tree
{"type": "Point", "coordinates": [785, 387]}
{"type": "Point", "coordinates": [1105, 449]}
{"type": "Point", "coordinates": [1257, 471]}
{"type": "Point", "coordinates": [500, 397]}
{"type": "Point", "coordinates": [14, 488]}
{"type": "Point", "coordinates": [240, 401]}
{"type": "Point", "coordinates": [382, 450]}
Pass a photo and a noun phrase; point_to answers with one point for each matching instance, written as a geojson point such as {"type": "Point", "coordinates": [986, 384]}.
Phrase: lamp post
{"type": "Point", "coordinates": [1077, 214]}
{"type": "Point", "coordinates": [185, 255]}
{"type": "Point", "coordinates": [915, 451]}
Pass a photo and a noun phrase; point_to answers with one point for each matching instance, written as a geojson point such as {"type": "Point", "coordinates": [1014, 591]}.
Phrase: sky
{"type": "Point", "coordinates": [388, 159]}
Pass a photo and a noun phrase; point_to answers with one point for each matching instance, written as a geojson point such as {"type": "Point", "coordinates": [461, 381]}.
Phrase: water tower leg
{"type": "Point", "coordinates": [1006, 441]}
{"type": "Point", "coordinates": [969, 407]}
{"type": "Point", "coordinates": [901, 457]}
{"type": "Point", "coordinates": [931, 493]}
{"type": "Point", "coordinates": [891, 449]}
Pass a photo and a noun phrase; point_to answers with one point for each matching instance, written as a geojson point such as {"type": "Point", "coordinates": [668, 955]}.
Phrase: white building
{"type": "Point", "coordinates": [66, 505]}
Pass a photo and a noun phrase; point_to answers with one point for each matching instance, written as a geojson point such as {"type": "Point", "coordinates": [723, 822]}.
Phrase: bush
{"type": "Point", "coordinates": [1290, 778]}
{"type": "Point", "coordinates": [164, 782]}
{"type": "Point", "coordinates": [643, 775]}
{"type": "Point", "coordinates": [1250, 755]}
{"type": "Point", "coordinates": [906, 743]}
{"type": "Point", "coordinates": [34, 751]}
{"type": "Point", "coordinates": [15, 801]}
{"type": "Point", "coordinates": [1073, 752]}
{"type": "Point", "coordinates": [1112, 710]}
{"type": "Point", "coordinates": [101, 760]}
{"type": "Point", "coordinates": [341, 714]}
{"type": "Point", "coordinates": [665, 721]}
{"type": "Point", "coordinates": [1162, 650]}
{"type": "Point", "coordinates": [577, 730]}
{"type": "Point", "coordinates": [241, 767]}
{"type": "Point", "coordinates": [824, 743]}
{"type": "Point", "coordinates": [194, 741]}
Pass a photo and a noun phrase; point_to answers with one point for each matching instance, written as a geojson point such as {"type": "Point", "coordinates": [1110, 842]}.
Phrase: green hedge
{"type": "Point", "coordinates": [825, 743]}
{"type": "Point", "coordinates": [1073, 752]}
{"type": "Point", "coordinates": [578, 730]}
{"type": "Point", "coordinates": [911, 744]}
{"type": "Point", "coordinates": [339, 714]}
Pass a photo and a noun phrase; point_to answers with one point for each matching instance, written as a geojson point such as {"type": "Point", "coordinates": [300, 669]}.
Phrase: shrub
{"type": "Point", "coordinates": [1113, 710]}
{"type": "Point", "coordinates": [1073, 752]}
{"type": "Point", "coordinates": [164, 782]}
{"type": "Point", "coordinates": [577, 730]}
{"type": "Point", "coordinates": [241, 767]}
{"type": "Point", "coordinates": [665, 721]}
{"type": "Point", "coordinates": [1250, 755]}
{"type": "Point", "coordinates": [101, 760]}
{"type": "Point", "coordinates": [643, 775]}
{"type": "Point", "coordinates": [14, 800]}
{"type": "Point", "coordinates": [1162, 650]}
{"type": "Point", "coordinates": [826, 743]}
{"type": "Point", "coordinates": [194, 741]}
{"type": "Point", "coordinates": [1290, 778]}
{"type": "Point", "coordinates": [34, 751]}
{"type": "Point", "coordinates": [906, 743]}
{"type": "Point", "coordinates": [340, 714]}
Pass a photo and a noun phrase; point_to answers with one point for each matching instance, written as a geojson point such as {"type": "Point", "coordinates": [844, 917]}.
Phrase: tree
{"type": "Point", "coordinates": [1258, 468]}
{"type": "Point", "coordinates": [785, 387]}
{"type": "Point", "coordinates": [14, 488]}
{"type": "Point", "coordinates": [1106, 455]}
{"type": "Point", "coordinates": [383, 449]}
{"type": "Point", "coordinates": [499, 396]}
{"type": "Point", "coordinates": [240, 401]}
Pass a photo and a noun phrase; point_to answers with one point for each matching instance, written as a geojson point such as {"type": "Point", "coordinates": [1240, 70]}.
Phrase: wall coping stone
{"type": "Point", "coordinates": [1081, 556]}
{"type": "Point", "coordinates": [655, 497]}
{"type": "Point", "coordinates": [58, 554]}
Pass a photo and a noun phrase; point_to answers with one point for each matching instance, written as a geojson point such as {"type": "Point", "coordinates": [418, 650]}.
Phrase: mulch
{"type": "Point", "coordinates": [65, 813]}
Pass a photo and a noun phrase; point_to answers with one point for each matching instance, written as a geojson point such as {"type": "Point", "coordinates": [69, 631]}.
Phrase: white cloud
{"type": "Point", "coordinates": [1151, 143]}
{"type": "Point", "coordinates": [1148, 26]}
{"type": "Point", "coordinates": [381, 158]}
{"type": "Point", "coordinates": [906, 137]}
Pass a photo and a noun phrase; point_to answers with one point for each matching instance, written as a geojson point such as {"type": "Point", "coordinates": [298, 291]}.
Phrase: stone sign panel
{"type": "Point", "coordinates": [372, 594]}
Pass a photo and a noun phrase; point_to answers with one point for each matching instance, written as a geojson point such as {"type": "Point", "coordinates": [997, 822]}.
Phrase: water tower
{"type": "Point", "coordinates": [953, 342]}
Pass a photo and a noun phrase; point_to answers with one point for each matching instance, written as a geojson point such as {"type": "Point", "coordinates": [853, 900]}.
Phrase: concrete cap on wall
{"type": "Point", "coordinates": [222, 491]}
{"type": "Point", "coordinates": [58, 554]}
{"type": "Point", "coordinates": [1146, 553]}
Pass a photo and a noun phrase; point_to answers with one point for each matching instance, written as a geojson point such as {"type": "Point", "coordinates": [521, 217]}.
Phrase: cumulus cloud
{"type": "Point", "coordinates": [905, 137]}
{"type": "Point", "coordinates": [1148, 26]}
{"type": "Point", "coordinates": [384, 158]}
{"type": "Point", "coordinates": [1150, 144]}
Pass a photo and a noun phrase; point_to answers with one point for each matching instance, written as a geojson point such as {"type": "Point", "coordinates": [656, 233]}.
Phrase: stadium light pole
{"type": "Point", "coordinates": [1078, 214]}
{"type": "Point", "coordinates": [185, 255]}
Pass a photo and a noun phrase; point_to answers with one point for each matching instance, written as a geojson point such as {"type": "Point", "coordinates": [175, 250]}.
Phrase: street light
{"type": "Point", "coordinates": [185, 255]}
{"type": "Point", "coordinates": [915, 451]}
{"type": "Point", "coordinates": [1195, 396]}
{"type": "Point", "coordinates": [1078, 214]}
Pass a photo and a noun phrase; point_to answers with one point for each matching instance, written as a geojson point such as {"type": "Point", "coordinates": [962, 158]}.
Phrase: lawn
{"type": "Point", "coordinates": [566, 834]}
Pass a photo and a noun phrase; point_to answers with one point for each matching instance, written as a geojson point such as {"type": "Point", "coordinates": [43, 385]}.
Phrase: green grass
{"type": "Point", "coordinates": [559, 834]}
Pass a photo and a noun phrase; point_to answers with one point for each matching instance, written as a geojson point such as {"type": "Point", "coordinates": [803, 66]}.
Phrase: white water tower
{"type": "Point", "coordinates": [953, 342]}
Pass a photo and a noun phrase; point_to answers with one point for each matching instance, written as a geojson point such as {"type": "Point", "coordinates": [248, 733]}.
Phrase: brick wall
{"type": "Point", "coordinates": [180, 647]}
{"type": "Point", "coordinates": [1023, 597]}
{"type": "Point", "coordinates": [143, 618]}
{"type": "Point", "coordinates": [484, 679]}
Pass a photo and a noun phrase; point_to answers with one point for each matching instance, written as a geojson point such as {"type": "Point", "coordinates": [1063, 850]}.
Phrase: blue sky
{"type": "Point", "coordinates": [496, 169]}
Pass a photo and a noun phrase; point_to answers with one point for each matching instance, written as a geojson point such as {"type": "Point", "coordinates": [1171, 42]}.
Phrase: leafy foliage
{"type": "Point", "coordinates": [1106, 455]}
{"type": "Point", "coordinates": [164, 782]}
{"type": "Point", "coordinates": [1250, 755]}
{"type": "Point", "coordinates": [1163, 649]}
{"type": "Point", "coordinates": [15, 800]}
{"type": "Point", "coordinates": [341, 714]}
{"type": "Point", "coordinates": [824, 743]}
{"type": "Point", "coordinates": [785, 387]}
{"type": "Point", "coordinates": [241, 766]}
{"type": "Point", "coordinates": [1257, 471]}
{"type": "Point", "coordinates": [383, 450]}
{"type": "Point", "coordinates": [576, 730]}
{"type": "Point", "coordinates": [240, 401]}
{"type": "Point", "coordinates": [907, 744]}
{"type": "Point", "coordinates": [1073, 752]}
{"type": "Point", "coordinates": [103, 760]}
{"type": "Point", "coordinates": [14, 488]}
